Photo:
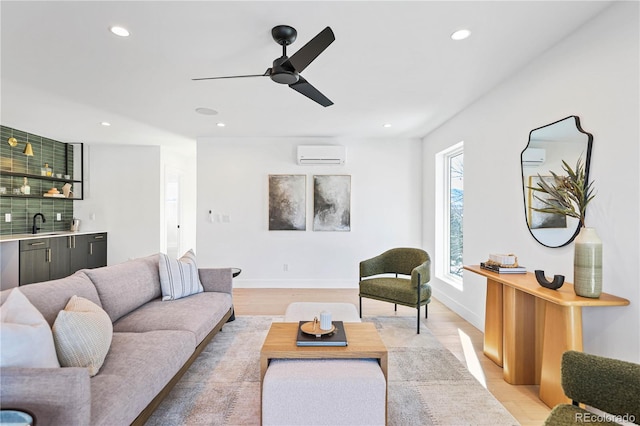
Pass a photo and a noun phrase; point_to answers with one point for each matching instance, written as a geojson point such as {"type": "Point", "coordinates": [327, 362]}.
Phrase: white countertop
{"type": "Point", "coordinates": [19, 237]}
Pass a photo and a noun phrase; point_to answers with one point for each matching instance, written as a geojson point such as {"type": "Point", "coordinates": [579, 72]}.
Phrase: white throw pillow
{"type": "Point", "coordinates": [25, 336]}
{"type": "Point", "coordinates": [179, 277]}
{"type": "Point", "coordinates": [82, 334]}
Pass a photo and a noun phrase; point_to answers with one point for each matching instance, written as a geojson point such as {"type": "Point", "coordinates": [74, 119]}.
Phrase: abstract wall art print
{"type": "Point", "coordinates": [332, 203]}
{"type": "Point", "coordinates": [287, 203]}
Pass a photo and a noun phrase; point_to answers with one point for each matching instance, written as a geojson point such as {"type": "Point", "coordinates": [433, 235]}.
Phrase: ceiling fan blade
{"type": "Point", "coordinates": [307, 53]}
{"type": "Point", "coordinates": [304, 87]}
{"type": "Point", "coordinates": [266, 73]}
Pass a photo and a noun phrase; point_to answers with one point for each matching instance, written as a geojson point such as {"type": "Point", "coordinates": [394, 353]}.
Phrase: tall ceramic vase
{"type": "Point", "coordinates": [587, 264]}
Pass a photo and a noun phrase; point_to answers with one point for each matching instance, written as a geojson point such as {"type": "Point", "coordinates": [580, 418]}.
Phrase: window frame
{"type": "Point", "coordinates": [443, 214]}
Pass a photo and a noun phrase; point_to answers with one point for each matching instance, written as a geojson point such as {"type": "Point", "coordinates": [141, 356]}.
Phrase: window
{"type": "Point", "coordinates": [449, 214]}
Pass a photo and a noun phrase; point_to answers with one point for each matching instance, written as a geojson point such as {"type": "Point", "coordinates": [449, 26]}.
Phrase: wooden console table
{"type": "Point", "coordinates": [529, 327]}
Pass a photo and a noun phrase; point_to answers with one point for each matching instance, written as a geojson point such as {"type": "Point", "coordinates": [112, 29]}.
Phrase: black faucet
{"type": "Point", "coordinates": [34, 229]}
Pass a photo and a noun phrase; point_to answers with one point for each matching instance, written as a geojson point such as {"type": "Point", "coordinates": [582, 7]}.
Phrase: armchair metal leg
{"type": "Point", "coordinates": [426, 311]}
{"type": "Point", "coordinates": [418, 304]}
{"type": "Point", "coordinates": [360, 306]}
{"type": "Point", "coordinates": [395, 307]}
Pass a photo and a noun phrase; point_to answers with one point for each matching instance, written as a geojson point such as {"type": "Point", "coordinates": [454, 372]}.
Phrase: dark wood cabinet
{"type": "Point", "coordinates": [60, 258]}
{"type": "Point", "coordinates": [97, 254]}
{"type": "Point", "coordinates": [35, 257]}
{"type": "Point", "coordinates": [52, 258]}
{"type": "Point", "coordinates": [90, 251]}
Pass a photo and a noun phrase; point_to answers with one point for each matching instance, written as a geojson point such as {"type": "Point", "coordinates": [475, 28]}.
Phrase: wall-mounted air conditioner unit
{"type": "Point", "coordinates": [533, 156]}
{"type": "Point", "coordinates": [321, 154]}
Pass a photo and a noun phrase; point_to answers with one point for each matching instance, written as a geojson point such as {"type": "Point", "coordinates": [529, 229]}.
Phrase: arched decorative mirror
{"type": "Point", "coordinates": [548, 147]}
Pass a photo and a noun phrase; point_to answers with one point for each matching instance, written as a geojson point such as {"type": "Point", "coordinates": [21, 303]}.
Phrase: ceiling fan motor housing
{"type": "Point", "coordinates": [282, 71]}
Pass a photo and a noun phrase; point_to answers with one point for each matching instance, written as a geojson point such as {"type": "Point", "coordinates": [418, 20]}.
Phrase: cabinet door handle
{"type": "Point", "coordinates": [91, 249]}
{"type": "Point", "coordinates": [49, 255]}
{"type": "Point", "coordinates": [37, 244]}
{"type": "Point", "coordinates": [73, 238]}
{"type": "Point", "coordinates": [99, 237]}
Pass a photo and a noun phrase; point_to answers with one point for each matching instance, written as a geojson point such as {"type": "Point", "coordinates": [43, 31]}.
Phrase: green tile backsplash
{"type": "Point", "coordinates": [12, 159]}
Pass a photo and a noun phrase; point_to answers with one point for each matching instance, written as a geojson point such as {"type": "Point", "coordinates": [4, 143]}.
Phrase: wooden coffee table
{"type": "Point", "coordinates": [362, 338]}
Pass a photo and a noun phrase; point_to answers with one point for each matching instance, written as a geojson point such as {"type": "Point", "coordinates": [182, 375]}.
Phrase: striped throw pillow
{"type": "Point", "coordinates": [179, 277]}
{"type": "Point", "coordinates": [82, 333]}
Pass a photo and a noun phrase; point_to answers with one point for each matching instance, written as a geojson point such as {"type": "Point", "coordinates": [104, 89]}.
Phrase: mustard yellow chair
{"type": "Point", "coordinates": [380, 279]}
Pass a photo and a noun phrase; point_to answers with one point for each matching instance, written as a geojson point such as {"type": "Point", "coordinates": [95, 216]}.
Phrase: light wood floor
{"type": "Point", "coordinates": [451, 329]}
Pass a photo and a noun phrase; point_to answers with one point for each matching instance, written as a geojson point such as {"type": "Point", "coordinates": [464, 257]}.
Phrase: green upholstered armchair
{"type": "Point", "coordinates": [610, 385]}
{"type": "Point", "coordinates": [375, 282]}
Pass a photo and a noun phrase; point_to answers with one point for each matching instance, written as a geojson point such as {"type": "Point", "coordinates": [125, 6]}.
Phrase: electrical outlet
{"type": "Point", "coordinates": [58, 216]}
{"type": "Point", "coordinates": [7, 217]}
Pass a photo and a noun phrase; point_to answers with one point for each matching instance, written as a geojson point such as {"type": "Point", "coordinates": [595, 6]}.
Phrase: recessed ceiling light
{"type": "Point", "coordinates": [105, 123]}
{"type": "Point", "coordinates": [386, 125]}
{"type": "Point", "coordinates": [220, 124]}
{"type": "Point", "coordinates": [460, 34]}
{"type": "Point", "coordinates": [119, 31]}
{"type": "Point", "coordinates": [206, 111]}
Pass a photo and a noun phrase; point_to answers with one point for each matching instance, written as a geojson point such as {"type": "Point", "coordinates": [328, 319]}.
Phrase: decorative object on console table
{"type": "Point", "coordinates": [503, 264]}
{"type": "Point", "coordinates": [503, 269]}
{"type": "Point", "coordinates": [504, 259]}
{"type": "Point", "coordinates": [567, 193]}
{"type": "Point", "coordinates": [587, 264]}
{"type": "Point", "coordinates": [557, 282]}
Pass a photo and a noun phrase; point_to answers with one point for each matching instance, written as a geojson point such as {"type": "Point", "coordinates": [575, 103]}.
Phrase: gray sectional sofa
{"type": "Point", "coordinates": [154, 342]}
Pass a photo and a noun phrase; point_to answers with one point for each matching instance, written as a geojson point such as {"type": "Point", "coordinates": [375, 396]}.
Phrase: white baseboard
{"type": "Point", "coordinates": [294, 283]}
{"type": "Point", "coordinates": [471, 317]}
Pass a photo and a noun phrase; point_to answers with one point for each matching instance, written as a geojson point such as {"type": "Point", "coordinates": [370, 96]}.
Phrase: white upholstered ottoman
{"type": "Point", "coordinates": [323, 391]}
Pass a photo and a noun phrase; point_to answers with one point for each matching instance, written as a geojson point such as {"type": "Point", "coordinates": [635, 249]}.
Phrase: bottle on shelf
{"type": "Point", "coordinates": [46, 170]}
{"type": "Point", "coordinates": [25, 188]}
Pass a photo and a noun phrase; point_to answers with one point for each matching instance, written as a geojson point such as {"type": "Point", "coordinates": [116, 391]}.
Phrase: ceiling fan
{"type": "Point", "coordinates": [287, 70]}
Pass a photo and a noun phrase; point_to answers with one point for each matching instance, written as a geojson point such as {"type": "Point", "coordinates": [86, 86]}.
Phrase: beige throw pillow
{"type": "Point", "coordinates": [179, 277]}
{"type": "Point", "coordinates": [25, 336]}
{"type": "Point", "coordinates": [82, 333]}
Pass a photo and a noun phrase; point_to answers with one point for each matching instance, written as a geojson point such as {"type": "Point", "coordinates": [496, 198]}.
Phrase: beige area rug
{"type": "Point", "coordinates": [427, 384]}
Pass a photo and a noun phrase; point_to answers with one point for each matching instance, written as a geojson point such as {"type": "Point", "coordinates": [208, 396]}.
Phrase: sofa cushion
{"type": "Point", "coordinates": [50, 297]}
{"type": "Point", "coordinates": [198, 314]}
{"type": "Point", "coordinates": [25, 336]}
{"type": "Point", "coordinates": [126, 286]}
{"type": "Point", "coordinates": [179, 277]}
{"type": "Point", "coordinates": [82, 334]}
{"type": "Point", "coordinates": [136, 369]}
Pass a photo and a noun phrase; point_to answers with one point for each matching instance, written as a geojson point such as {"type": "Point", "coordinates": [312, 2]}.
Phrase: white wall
{"type": "Point", "coordinates": [123, 190]}
{"type": "Point", "coordinates": [181, 159]}
{"type": "Point", "coordinates": [233, 175]}
{"type": "Point", "coordinates": [593, 74]}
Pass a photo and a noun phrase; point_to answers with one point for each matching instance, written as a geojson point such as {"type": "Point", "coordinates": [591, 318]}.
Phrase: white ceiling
{"type": "Point", "coordinates": [63, 72]}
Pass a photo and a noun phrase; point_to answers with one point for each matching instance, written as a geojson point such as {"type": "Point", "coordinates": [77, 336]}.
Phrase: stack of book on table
{"type": "Point", "coordinates": [503, 264]}
{"type": "Point", "coordinates": [309, 336]}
